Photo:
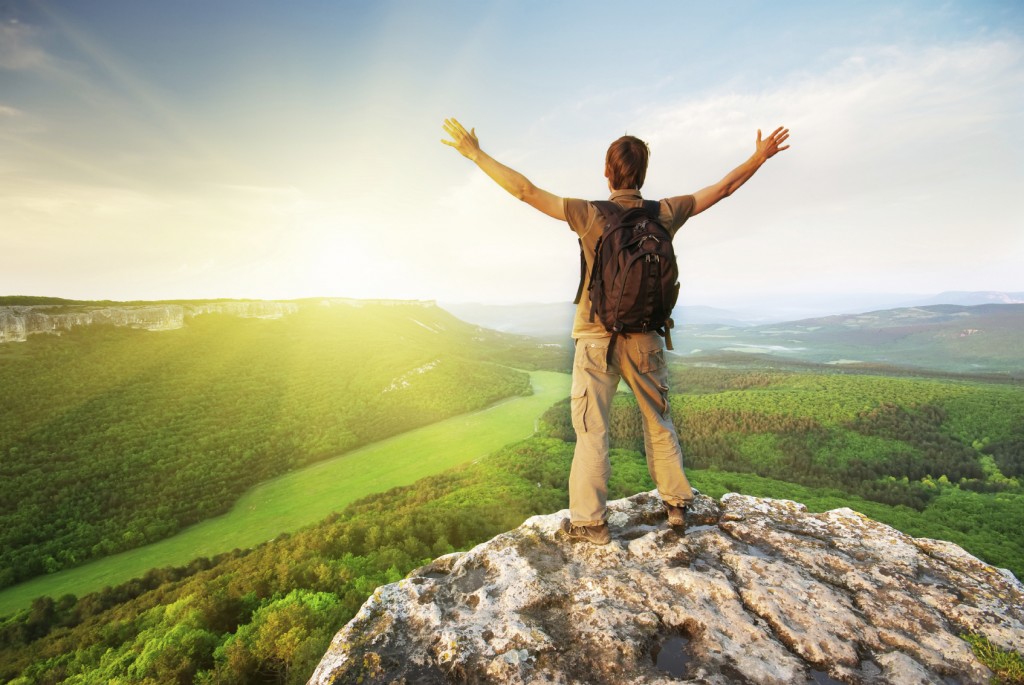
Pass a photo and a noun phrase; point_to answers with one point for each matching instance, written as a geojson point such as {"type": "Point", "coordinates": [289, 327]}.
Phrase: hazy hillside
{"type": "Point", "coordinates": [971, 339]}
{"type": "Point", "coordinates": [970, 298]}
{"type": "Point", "coordinates": [964, 339]}
{"type": "Point", "coordinates": [554, 319]}
{"type": "Point", "coordinates": [114, 437]}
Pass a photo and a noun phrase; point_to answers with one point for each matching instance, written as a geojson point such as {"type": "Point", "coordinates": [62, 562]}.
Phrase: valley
{"type": "Point", "coordinates": [376, 458]}
{"type": "Point", "coordinates": [288, 503]}
{"type": "Point", "coordinates": [113, 437]}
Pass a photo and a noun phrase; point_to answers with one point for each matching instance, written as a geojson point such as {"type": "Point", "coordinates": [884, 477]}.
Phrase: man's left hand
{"type": "Point", "coordinates": [772, 144]}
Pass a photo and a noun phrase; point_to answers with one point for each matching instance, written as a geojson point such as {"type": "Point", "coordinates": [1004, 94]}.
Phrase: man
{"type": "Point", "coordinates": [637, 358]}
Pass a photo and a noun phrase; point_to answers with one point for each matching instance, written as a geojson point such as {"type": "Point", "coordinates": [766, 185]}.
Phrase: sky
{"type": "Point", "coordinates": [249, 149]}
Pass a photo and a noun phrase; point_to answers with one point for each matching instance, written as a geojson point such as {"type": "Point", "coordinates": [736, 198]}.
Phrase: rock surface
{"type": "Point", "coordinates": [19, 322]}
{"type": "Point", "coordinates": [757, 591]}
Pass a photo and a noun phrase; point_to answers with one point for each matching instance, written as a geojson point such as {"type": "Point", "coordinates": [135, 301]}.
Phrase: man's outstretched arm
{"type": "Point", "coordinates": [763, 151]}
{"type": "Point", "coordinates": [511, 180]}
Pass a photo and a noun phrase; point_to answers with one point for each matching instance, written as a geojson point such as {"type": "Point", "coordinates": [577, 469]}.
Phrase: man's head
{"type": "Point", "coordinates": [625, 165]}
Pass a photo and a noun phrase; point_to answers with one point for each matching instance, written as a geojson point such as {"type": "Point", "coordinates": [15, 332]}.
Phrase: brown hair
{"type": "Point", "coordinates": [626, 163]}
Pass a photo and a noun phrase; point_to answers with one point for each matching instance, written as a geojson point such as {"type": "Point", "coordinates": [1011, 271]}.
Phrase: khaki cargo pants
{"type": "Point", "coordinates": [638, 359]}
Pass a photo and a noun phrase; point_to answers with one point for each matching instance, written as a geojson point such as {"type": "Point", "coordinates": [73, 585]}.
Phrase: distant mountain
{"type": "Point", "coordinates": [965, 339]}
{"type": "Point", "coordinates": [793, 306]}
{"type": "Point", "coordinates": [546, 320]}
{"type": "Point", "coordinates": [972, 298]}
{"type": "Point", "coordinates": [553, 320]}
{"type": "Point", "coordinates": [965, 332]}
{"type": "Point", "coordinates": [980, 338]}
{"type": "Point", "coordinates": [700, 314]}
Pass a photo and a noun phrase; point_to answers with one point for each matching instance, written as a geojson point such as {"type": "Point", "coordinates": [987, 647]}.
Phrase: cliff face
{"type": "Point", "coordinates": [757, 591]}
{"type": "Point", "coordinates": [19, 322]}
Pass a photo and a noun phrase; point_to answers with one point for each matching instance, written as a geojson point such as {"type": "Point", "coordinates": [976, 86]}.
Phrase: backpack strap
{"type": "Point", "coordinates": [667, 335]}
{"type": "Point", "coordinates": [653, 208]}
{"type": "Point", "coordinates": [609, 210]}
{"type": "Point", "coordinates": [595, 276]}
{"type": "Point", "coordinates": [583, 273]}
{"type": "Point", "coordinates": [608, 355]}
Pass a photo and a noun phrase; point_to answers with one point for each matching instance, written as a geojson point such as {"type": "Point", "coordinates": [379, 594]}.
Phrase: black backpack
{"type": "Point", "coordinates": [634, 282]}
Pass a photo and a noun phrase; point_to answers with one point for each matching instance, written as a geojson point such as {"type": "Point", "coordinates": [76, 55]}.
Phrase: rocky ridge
{"type": "Point", "coordinates": [757, 591]}
{"type": "Point", "coordinates": [19, 322]}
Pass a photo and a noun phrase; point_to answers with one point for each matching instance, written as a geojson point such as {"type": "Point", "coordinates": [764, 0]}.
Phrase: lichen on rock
{"type": "Point", "coordinates": [756, 591]}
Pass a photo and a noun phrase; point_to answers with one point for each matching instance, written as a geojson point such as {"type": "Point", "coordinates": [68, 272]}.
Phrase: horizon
{"type": "Point", "coordinates": [243, 151]}
{"type": "Point", "coordinates": [845, 304]}
{"type": "Point", "coordinates": [485, 303]}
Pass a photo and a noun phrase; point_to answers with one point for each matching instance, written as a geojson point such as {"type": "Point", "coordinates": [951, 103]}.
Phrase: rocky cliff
{"type": "Point", "coordinates": [757, 591]}
{"type": "Point", "coordinates": [19, 322]}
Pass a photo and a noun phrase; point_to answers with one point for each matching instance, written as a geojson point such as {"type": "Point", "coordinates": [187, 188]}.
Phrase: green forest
{"type": "Point", "coordinates": [934, 458]}
{"type": "Point", "coordinates": [268, 614]}
{"type": "Point", "coordinates": [891, 440]}
{"type": "Point", "coordinates": [112, 438]}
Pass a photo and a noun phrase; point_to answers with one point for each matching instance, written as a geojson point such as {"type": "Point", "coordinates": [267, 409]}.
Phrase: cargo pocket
{"type": "Point", "coordinates": [663, 409]}
{"type": "Point", "coordinates": [591, 358]}
{"type": "Point", "coordinates": [651, 356]}
{"type": "Point", "coordinates": [592, 354]}
{"type": "Point", "coordinates": [578, 407]}
{"type": "Point", "coordinates": [651, 363]}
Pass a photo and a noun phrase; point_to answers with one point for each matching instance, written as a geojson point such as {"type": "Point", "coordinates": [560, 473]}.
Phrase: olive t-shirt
{"type": "Point", "coordinates": [585, 219]}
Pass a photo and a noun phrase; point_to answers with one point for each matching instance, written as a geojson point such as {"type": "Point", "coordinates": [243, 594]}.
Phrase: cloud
{"type": "Point", "coordinates": [19, 49]}
{"type": "Point", "coordinates": [902, 173]}
{"type": "Point", "coordinates": [873, 105]}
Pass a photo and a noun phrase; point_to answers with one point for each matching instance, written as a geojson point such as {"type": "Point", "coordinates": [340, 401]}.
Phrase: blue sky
{"type": "Point", "coordinates": [279, 150]}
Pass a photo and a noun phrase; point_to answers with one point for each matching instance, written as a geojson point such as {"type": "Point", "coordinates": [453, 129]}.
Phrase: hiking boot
{"type": "Point", "coordinates": [597, 535]}
{"type": "Point", "coordinates": [676, 515]}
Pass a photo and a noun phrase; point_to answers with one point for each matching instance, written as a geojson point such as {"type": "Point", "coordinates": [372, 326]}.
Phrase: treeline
{"type": "Point", "coordinates": [112, 438]}
{"type": "Point", "coordinates": [877, 437]}
{"type": "Point", "coordinates": [268, 614]}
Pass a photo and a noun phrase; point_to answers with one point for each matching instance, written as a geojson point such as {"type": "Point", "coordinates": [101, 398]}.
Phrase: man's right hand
{"type": "Point", "coordinates": [764, 149]}
{"type": "Point", "coordinates": [465, 142]}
